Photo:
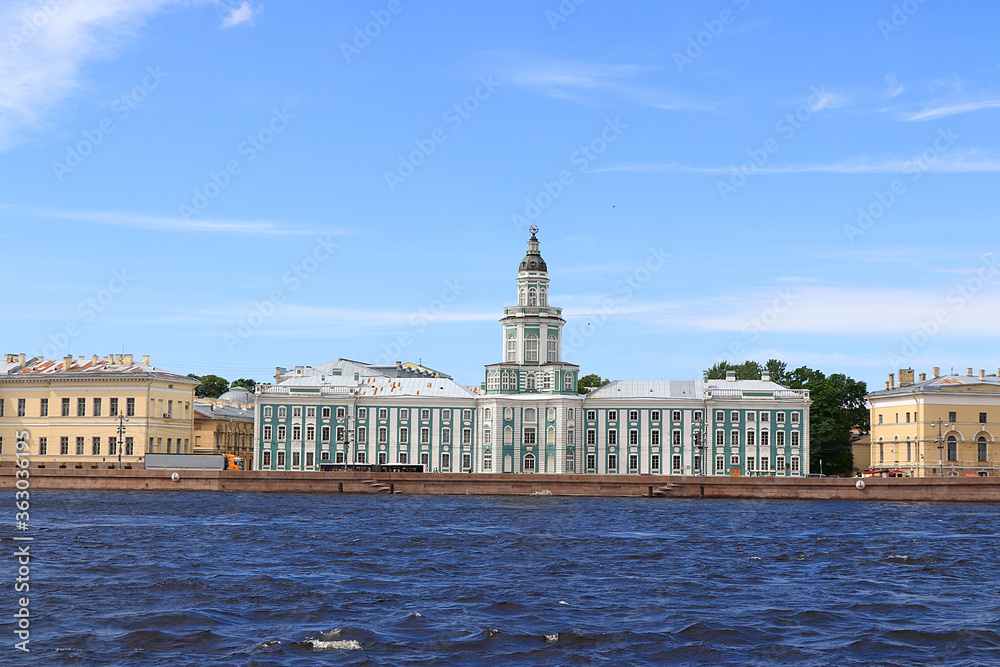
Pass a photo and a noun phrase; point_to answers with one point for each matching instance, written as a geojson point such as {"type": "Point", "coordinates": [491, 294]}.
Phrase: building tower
{"type": "Point", "coordinates": [532, 337]}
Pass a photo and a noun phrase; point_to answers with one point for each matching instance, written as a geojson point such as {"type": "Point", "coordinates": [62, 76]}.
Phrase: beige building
{"type": "Point", "coordinates": [945, 425]}
{"type": "Point", "coordinates": [91, 413]}
{"type": "Point", "coordinates": [224, 425]}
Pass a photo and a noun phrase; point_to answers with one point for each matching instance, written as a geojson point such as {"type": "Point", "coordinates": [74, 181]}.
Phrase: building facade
{"type": "Point", "coordinates": [224, 425]}
{"type": "Point", "coordinates": [93, 413]}
{"type": "Point", "coordinates": [945, 425]}
{"type": "Point", "coordinates": [527, 416]}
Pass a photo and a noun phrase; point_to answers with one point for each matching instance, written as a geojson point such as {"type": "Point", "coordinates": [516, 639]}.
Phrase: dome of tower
{"type": "Point", "coordinates": [533, 260]}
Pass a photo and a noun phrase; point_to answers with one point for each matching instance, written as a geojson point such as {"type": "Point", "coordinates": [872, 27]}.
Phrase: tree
{"type": "Point", "coordinates": [245, 383]}
{"type": "Point", "coordinates": [590, 381]}
{"type": "Point", "coordinates": [212, 386]}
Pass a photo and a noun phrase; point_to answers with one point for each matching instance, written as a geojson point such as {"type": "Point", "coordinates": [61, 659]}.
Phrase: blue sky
{"type": "Point", "coordinates": [233, 186]}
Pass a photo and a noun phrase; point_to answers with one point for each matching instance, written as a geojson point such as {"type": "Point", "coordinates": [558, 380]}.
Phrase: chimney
{"type": "Point", "coordinates": [145, 360]}
{"type": "Point", "coordinates": [937, 371]}
{"type": "Point", "coordinates": [765, 376]}
{"type": "Point", "coordinates": [892, 380]}
{"type": "Point", "coordinates": [9, 358]}
{"type": "Point", "coordinates": [982, 373]}
{"type": "Point", "coordinates": [94, 359]}
{"type": "Point", "coordinates": [968, 372]}
{"type": "Point", "coordinates": [67, 362]}
{"type": "Point", "coordinates": [905, 377]}
{"type": "Point", "coordinates": [923, 376]}
{"type": "Point", "coordinates": [886, 384]}
{"type": "Point", "coordinates": [20, 359]}
{"type": "Point", "coordinates": [128, 358]}
{"type": "Point", "coordinates": [730, 376]}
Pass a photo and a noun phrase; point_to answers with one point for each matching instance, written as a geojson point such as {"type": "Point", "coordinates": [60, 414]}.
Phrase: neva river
{"type": "Point", "coordinates": [295, 579]}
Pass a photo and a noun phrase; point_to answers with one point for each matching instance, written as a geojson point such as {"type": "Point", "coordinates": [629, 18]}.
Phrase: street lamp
{"type": "Point", "coordinates": [699, 444]}
{"type": "Point", "coordinates": [121, 437]}
{"type": "Point", "coordinates": [940, 445]}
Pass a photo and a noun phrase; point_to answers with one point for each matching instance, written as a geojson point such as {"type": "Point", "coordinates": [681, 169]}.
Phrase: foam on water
{"type": "Point", "coordinates": [342, 644]}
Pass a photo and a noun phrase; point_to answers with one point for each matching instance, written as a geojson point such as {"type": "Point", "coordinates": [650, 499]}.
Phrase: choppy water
{"type": "Point", "coordinates": [297, 579]}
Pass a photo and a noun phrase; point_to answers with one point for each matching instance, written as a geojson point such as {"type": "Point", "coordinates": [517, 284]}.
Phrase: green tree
{"type": "Point", "coordinates": [245, 383]}
{"type": "Point", "coordinates": [212, 386]}
{"type": "Point", "coordinates": [588, 381]}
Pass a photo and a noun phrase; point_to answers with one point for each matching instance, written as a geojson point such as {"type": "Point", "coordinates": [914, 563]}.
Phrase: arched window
{"type": "Point", "coordinates": [520, 301]}
{"type": "Point", "coordinates": [529, 463]}
{"type": "Point", "coordinates": [952, 448]}
{"type": "Point", "coordinates": [982, 447]}
{"type": "Point", "coordinates": [511, 348]}
{"type": "Point", "coordinates": [553, 349]}
{"type": "Point", "coordinates": [487, 414]}
{"type": "Point", "coordinates": [531, 348]}
{"type": "Point", "coordinates": [568, 381]}
{"type": "Point", "coordinates": [547, 382]}
{"type": "Point", "coordinates": [529, 384]}
{"type": "Point", "coordinates": [541, 297]}
{"type": "Point", "coordinates": [532, 297]}
{"type": "Point", "coordinates": [529, 414]}
{"type": "Point", "coordinates": [505, 384]}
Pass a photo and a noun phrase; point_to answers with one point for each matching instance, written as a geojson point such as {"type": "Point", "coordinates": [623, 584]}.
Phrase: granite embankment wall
{"type": "Point", "coordinates": [986, 489]}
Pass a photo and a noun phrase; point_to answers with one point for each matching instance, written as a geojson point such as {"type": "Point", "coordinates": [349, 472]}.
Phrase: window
{"type": "Point", "coordinates": [633, 415]}
{"type": "Point", "coordinates": [267, 431]}
{"type": "Point", "coordinates": [720, 463]}
{"type": "Point", "coordinates": [425, 436]}
{"type": "Point", "coordinates": [981, 447]}
{"type": "Point", "coordinates": [633, 437]}
{"type": "Point", "coordinates": [612, 461]}
{"type": "Point", "coordinates": [953, 417]}
{"type": "Point", "coordinates": [734, 460]}
{"type": "Point", "coordinates": [267, 459]}
{"type": "Point", "coordinates": [907, 417]}
{"type": "Point", "coordinates": [511, 348]}
{"type": "Point", "coordinates": [676, 416]}
{"type": "Point", "coordinates": [296, 411]}
{"type": "Point", "coordinates": [654, 461]}
{"type": "Point", "coordinates": [529, 436]}
{"type": "Point", "coordinates": [310, 432]}
{"type": "Point", "coordinates": [425, 459]}
{"type": "Point", "coordinates": [764, 438]}
{"type": "Point", "coordinates": [296, 432]}
{"type": "Point", "coordinates": [64, 445]}
{"type": "Point", "coordinates": [383, 413]}
{"type": "Point", "coordinates": [341, 434]}
{"type": "Point", "coordinates": [383, 458]}
{"type": "Point", "coordinates": [779, 439]}
{"type": "Point", "coordinates": [466, 436]}
{"type": "Point", "coordinates": [383, 434]}
{"type": "Point", "coordinates": [952, 448]}
{"type": "Point", "coordinates": [676, 465]}
{"type": "Point", "coordinates": [720, 416]}
{"type": "Point", "coordinates": [112, 447]}
{"type": "Point", "coordinates": [795, 464]}
{"type": "Point", "coordinates": [795, 438]}
{"type": "Point", "coordinates": [21, 408]}
{"type": "Point", "coordinates": [612, 437]}
{"type": "Point", "coordinates": [612, 415]}
{"type": "Point", "coordinates": [43, 410]}
{"type": "Point", "coordinates": [795, 418]}
{"type": "Point", "coordinates": [655, 415]}
{"type": "Point", "coordinates": [779, 463]}
{"type": "Point", "coordinates": [529, 382]}
{"type": "Point", "coordinates": [881, 451]}
{"type": "Point", "coordinates": [982, 419]}
{"type": "Point", "coordinates": [734, 417]}
{"type": "Point", "coordinates": [129, 446]}
{"type": "Point", "coordinates": [552, 353]}
{"type": "Point", "coordinates": [112, 408]}
{"type": "Point", "coordinates": [750, 438]}
{"type": "Point", "coordinates": [2, 403]}
{"type": "Point", "coordinates": [591, 462]}
{"type": "Point", "coordinates": [341, 412]}
{"type": "Point", "coordinates": [487, 462]}
{"type": "Point", "coordinates": [310, 412]}
{"type": "Point", "coordinates": [488, 437]}
{"type": "Point", "coordinates": [591, 437]}
{"type": "Point", "coordinates": [324, 433]}
{"type": "Point", "coordinates": [281, 459]}
{"type": "Point", "coordinates": [361, 456]}
{"type": "Point", "coordinates": [404, 456]}
{"type": "Point", "coordinates": [532, 297]}
{"type": "Point", "coordinates": [751, 416]}
{"type": "Point", "coordinates": [325, 413]}
{"type": "Point", "coordinates": [281, 432]}
{"type": "Point", "coordinates": [506, 382]}
{"type": "Point", "coordinates": [296, 458]}
{"type": "Point", "coordinates": [529, 414]}
{"type": "Point", "coordinates": [633, 461]}
{"type": "Point", "coordinates": [466, 461]}
{"type": "Point", "coordinates": [95, 446]}
{"type": "Point", "coordinates": [404, 414]}
{"type": "Point", "coordinates": [43, 446]}
{"type": "Point", "coordinates": [97, 407]}
{"type": "Point", "coordinates": [720, 438]}
{"type": "Point", "coordinates": [129, 407]}
{"type": "Point", "coordinates": [779, 417]}
{"type": "Point", "coordinates": [79, 446]}
{"type": "Point", "coordinates": [282, 412]}
{"type": "Point", "coordinates": [65, 407]}
{"type": "Point", "coordinates": [531, 348]}
{"type": "Point", "coordinates": [676, 437]}
{"type": "Point", "coordinates": [362, 435]}
{"type": "Point", "coordinates": [765, 417]}
{"type": "Point", "coordinates": [654, 437]}
{"type": "Point", "coordinates": [751, 463]}
{"type": "Point", "coordinates": [697, 415]}
{"type": "Point", "coordinates": [445, 461]}
{"type": "Point", "coordinates": [425, 414]}
{"type": "Point", "coordinates": [267, 411]}
{"type": "Point", "coordinates": [591, 415]}
{"type": "Point", "coordinates": [309, 459]}
{"type": "Point", "coordinates": [697, 463]}
{"type": "Point", "coordinates": [404, 435]}
{"type": "Point", "coordinates": [879, 418]}
{"type": "Point", "coordinates": [362, 413]}
{"type": "Point", "coordinates": [734, 439]}
{"type": "Point", "coordinates": [568, 381]}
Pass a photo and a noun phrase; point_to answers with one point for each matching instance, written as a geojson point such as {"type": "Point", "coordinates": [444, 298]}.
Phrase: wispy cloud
{"type": "Point", "coordinates": [893, 86]}
{"type": "Point", "coordinates": [588, 83]}
{"type": "Point", "coordinates": [139, 221]}
{"type": "Point", "coordinates": [44, 47]}
{"type": "Point", "coordinates": [950, 109]}
{"type": "Point", "coordinates": [972, 161]}
{"type": "Point", "coordinates": [244, 13]}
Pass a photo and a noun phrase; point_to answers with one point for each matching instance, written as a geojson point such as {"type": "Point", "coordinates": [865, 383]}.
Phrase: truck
{"type": "Point", "coordinates": [193, 462]}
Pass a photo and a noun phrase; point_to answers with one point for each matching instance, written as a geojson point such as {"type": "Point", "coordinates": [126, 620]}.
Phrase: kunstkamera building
{"type": "Point", "coordinates": [527, 416]}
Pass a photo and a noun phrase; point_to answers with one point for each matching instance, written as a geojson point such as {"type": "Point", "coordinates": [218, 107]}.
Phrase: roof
{"type": "Point", "coordinates": [376, 386]}
{"type": "Point", "coordinates": [648, 389]}
{"type": "Point", "coordinates": [238, 395]}
{"type": "Point", "coordinates": [82, 367]}
{"type": "Point", "coordinates": [990, 383]}
{"type": "Point", "coordinates": [349, 368]}
{"type": "Point", "coordinates": [208, 410]}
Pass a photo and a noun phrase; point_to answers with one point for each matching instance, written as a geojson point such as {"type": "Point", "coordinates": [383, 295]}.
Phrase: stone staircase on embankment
{"type": "Point", "coordinates": [378, 487]}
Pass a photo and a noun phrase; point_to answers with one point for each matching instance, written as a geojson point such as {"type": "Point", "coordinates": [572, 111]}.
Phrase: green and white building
{"type": "Point", "coordinates": [527, 416]}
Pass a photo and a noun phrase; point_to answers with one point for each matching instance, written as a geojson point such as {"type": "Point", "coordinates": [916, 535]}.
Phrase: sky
{"type": "Point", "coordinates": [233, 186]}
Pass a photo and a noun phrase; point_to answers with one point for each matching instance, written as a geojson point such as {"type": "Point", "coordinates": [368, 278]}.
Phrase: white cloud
{"type": "Point", "coordinates": [950, 109]}
{"type": "Point", "coordinates": [244, 13]}
{"type": "Point", "coordinates": [893, 86]}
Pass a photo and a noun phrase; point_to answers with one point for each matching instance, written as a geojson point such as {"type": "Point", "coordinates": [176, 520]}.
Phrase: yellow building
{"type": "Point", "coordinates": [938, 426]}
{"type": "Point", "coordinates": [224, 425]}
{"type": "Point", "coordinates": [93, 413]}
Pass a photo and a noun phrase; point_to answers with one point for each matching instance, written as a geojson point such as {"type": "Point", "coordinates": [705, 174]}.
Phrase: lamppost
{"type": "Point", "coordinates": [940, 445]}
{"type": "Point", "coordinates": [348, 431]}
{"type": "Point", "coordinates": [699, 444]}
{"type": "Point", "coordinates": [121, 437]}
